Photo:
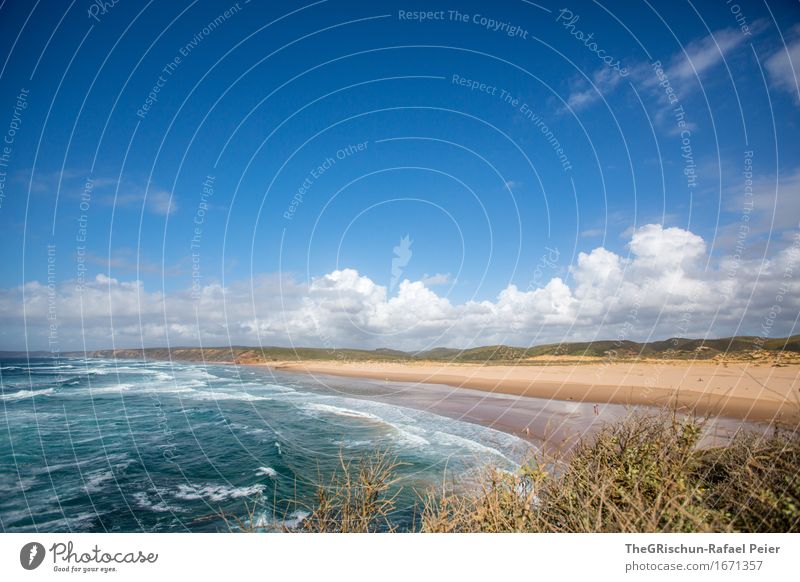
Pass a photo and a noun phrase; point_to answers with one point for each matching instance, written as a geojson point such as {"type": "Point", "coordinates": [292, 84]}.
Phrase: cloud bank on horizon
{"type": "Point", "coordinates": [664, 287]}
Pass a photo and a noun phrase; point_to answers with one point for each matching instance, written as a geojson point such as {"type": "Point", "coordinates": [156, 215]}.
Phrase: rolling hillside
{"type": "Point", "coordinates": [673, 348]}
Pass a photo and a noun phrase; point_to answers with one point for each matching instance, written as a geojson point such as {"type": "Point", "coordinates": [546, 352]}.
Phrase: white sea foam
{"type": "Point", "coordinates": [22, 394]}
{"type": "Point", "coordinates": [295, 519]}
{"type": "Point", "coordinates": [407, 437]}
{"type": "Point", "coordinates": [109, 389]}
{"type": "Point", "coordinates": [115, 460]}
{"type": "Point", "coordinates": [193, 383]}
{"type": "Point", "coordinates": [191, 492]}
{"type": "Point", "coordinates": [49, 368]}
{"type": "Point", "coordinates": [246, 428]}
{"type": "Point", "coordinates": [262, 386]}
{"type": "Point", "coordinates": [144, 501]}
{"type": "Point", "coordinates": [338, 411]}
{"type": "Point", "coordinates": [217, 395]}
{"type": "Point", "coordinates": [94, 482]}
{"type": "Point", "coordinates": [353, 444]}
{"type": "Point", "coordinates": [267, 472]}
{"type": "Point", "coordinates": [198, 373]}
{"type": "Point", "coordinates": [461, 442]}
{"type": "Point", "coordinates": [403, 433]}
{"type": "Point", "coordinates": [268, 521]}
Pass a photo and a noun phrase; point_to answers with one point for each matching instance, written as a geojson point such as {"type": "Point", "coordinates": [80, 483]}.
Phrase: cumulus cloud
{"type": "Point", "coordinates": [662, 287]}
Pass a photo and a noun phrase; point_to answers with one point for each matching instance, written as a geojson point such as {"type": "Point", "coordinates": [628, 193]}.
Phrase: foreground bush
{"type": "Point", "coordinates": [644, 474]}
{"type": "Point", "coordinates": [359, 498]}
{"type": "Point", "coordinates": [755, 482]}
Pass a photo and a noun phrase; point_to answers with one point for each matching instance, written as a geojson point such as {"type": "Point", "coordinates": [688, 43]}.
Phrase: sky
{"type": "Point", "coordinates": [397, 174]}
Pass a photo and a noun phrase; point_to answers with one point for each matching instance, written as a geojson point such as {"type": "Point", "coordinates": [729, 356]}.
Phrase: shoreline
{"type": "Point", "coordinates": [740, 391]}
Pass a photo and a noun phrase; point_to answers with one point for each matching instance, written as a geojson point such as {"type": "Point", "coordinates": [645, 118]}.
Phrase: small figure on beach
{"type": "Point", "coordinates": [596, 410]}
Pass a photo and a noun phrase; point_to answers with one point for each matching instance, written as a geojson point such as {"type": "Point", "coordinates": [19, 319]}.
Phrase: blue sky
{"type": "Point", "coordinates": [459, 120]}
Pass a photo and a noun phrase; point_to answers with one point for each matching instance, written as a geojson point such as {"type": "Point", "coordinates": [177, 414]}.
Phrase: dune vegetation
{"type": "Point", "coordinates": [746, 348]}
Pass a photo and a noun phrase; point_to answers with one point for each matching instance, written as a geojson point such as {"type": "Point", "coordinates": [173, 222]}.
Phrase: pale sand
{"type": "Point", "coordinates": [741, 390]}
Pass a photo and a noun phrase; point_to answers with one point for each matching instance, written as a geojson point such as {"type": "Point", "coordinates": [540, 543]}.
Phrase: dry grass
{"type": "Point", "coordinates": [755, 482]}
{"type": "Point", "coordinates": [358, 498]}
{"type": "Point", "coordinates": [644, 474]}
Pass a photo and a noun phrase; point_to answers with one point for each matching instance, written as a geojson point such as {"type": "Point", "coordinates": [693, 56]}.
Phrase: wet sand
{"type": "Point", "coordinates": [738, 390]}
{"type": "Point", "coordinates": [527, 402]}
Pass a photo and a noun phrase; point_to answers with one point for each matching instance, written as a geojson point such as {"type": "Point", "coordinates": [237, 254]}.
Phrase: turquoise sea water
{"type": "Point", "coordinates": [98, 445]}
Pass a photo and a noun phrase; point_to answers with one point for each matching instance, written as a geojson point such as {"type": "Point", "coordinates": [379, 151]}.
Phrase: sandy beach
{"type": "Point", "coordinates": [755, 392]}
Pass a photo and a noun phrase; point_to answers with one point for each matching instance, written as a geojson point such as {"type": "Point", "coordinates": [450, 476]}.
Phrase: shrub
{"type": "Point", "coordinates": [644, 474]}
{"type": "Point", "coordinates": [754, 482]}
{"type": "Point", "coordinates": [359, 497]}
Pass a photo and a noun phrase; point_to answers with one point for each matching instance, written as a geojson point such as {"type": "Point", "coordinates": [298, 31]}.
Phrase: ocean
{"type": "Point", "coordinates": [91, 445]}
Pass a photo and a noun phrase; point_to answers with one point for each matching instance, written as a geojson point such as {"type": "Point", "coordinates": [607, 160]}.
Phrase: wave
{"type": "Point", "coordinates": [246, 428]}
{"type": "Point", "coordinates": [191, 383]}
{"type": "Point", "coordinates": [118, 461]}
{"type": "Point", "coordinates": [106, 371]}
{"type": "Point", "coordinates": [347, 412]}
{"type": "Point", "coordinates": [203, 374]}
{"type": "Point", "coordinates": [191, 492]}
{"type": "Point", "coordinates": [95, 481]}
{"type": "Point", "coordinates": [408, 437]}
{"type": "Point", "coordinates": [75, 522]}
{"type": "Point", "coordinates": [108, 389]}
{"type": "Point", "coordinates": [353, 444]}
{"type": "Point", "coordinates": [269, 522]}
{"type": "Point", "coordinates": [23, 394]}
{"type": "Point", "coordinates": [295, 519]}
{"type": "Point", "coordinates": [215, 395]}
{"type": "Point", "coordinates": [263, 386]}
{"type": "Point", "coordinates": [143, 500]}
{"type": "Point", "coordinates": [35, 368]}
{"type": "Point", "coordinates": [462, 442]}
{"type": "Point", "coordinates": [267, 472]}
{"type": "Point", "coordinates": [402, 433]}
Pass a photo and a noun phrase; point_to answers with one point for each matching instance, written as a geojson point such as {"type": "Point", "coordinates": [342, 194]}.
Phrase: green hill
{"type": "Point", "coordinates": [673, 348]}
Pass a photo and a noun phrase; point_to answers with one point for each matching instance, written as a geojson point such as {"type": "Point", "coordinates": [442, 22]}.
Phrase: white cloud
{"type": "Point", "coordinates": [701, 55]}
{"type": "Point", "coordinates": [695, 59]}
{"type": "Point", "coordinates": [437, 279]}
{"type": "Point", "coordinates": [783, 67]}
{"type": "Point", "coordinates": [775, 203]}
{"type": "Point", "coordinates": [158, 202]}
{"type": "Point", "coordinates": [661, 289]}
{"type": "Point", "coordinates": [604, 81]}
{"type": "Point", "coordinates": [592, 232]}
